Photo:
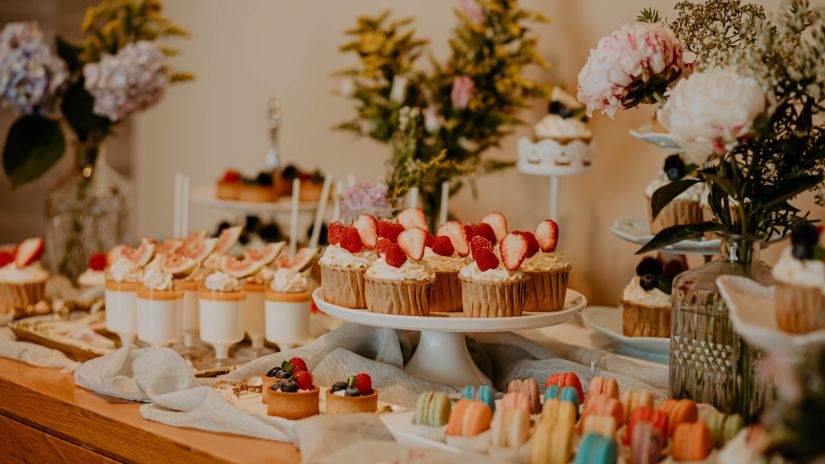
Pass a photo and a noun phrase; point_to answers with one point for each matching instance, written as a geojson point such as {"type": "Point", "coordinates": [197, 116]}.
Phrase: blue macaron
{"type": "Point", "coordinates": [596, 449]}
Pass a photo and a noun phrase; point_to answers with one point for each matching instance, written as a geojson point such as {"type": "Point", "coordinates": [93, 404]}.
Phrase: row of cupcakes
{"type": "Point", "coordinates": [400, 267]}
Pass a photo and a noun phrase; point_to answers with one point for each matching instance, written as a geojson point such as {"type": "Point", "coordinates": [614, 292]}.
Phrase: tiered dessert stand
{"type": "Point", "coordinates": [205, 196]}
{"type": "Point", "coordinates": [442, 356]}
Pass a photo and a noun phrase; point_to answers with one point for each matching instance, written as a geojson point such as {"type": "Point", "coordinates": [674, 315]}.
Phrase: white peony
{"type": "Point", "coordinates": [626, 59]}
{"type": "Point", "coordinates": [711, 111]}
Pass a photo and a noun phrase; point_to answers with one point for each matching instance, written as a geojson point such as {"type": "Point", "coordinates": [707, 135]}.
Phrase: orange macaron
{"type": "Point", "coordinates": [603, 386]}
{"type": "Point", "coordinates": [601, 405]}
{"type": "Point", "coordinates": [692, 442]}
{"type": "Point", "coordinates": [469, 418]}
{"type": "Point", "coordinates": [679, 412]}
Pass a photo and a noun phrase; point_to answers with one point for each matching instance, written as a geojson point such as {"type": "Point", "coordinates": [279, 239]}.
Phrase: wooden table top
{"type": "Point", "coordinates": [49, 400]}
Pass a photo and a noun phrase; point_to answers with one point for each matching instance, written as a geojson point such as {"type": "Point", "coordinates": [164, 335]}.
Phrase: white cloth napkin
{"type": "Point", "coordinates": [31, 353]}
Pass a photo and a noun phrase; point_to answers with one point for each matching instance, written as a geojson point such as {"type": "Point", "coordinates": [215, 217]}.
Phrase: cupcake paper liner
{"type": "Point", "coordinates": [546, 290]}
{"type": "Point", "coordinates": [399, 297]}
{"type": "Point", "coordinates": [445, 294]}
{"type": "Point", "coordinates": [799, 309]}
{"type": "Point", "coordinates": [492, 299]}
{"type": "Point", "coordinates": [677, 212]}
{"type": "Point", "coordinates": [343, 286]}
{"type": "Point", "coordinates": [645, 321]}
{"type": "Point", "coordinates": [18, 297]}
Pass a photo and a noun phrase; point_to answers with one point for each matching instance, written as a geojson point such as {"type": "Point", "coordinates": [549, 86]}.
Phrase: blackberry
{"type": "Point", "coordinates": [674, 167]}
{"type": "Point", "coordinates": [649, 266]}
{"type": "Point", "coordinates": [337, 386]}
{"type": "Point", "coordinates": [647, 282]}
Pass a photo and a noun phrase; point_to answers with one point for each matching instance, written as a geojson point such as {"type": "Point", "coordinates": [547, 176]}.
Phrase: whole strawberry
{"type": "Point", "coordinates": [97, 262]}
{"type": "Point", "coordinates": [485, 259]}
{"type": "Point", "coordinates": [6, 257]}
{"type": "Point", "coordinates": [351, 240]}
{"type": "Point", "coordinates": [303, 379]}
{"type": "Point", "coordinates": [335, 231]}
{"type": "Point", "coordinates": [443, 246]}
{"type": "Point", "coordinates": [298, 365]}
{"type": "Point", "coordinates": [478, 243]}
{"type": "Point", "coordinates": [362, 382]}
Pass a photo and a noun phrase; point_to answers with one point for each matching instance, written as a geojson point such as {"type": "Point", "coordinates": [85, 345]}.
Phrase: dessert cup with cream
{"type": "Point", "coordinates": [21, 288]}
{"type": "Point", "coordinates": [159, 309]}
{"type": "Point", "coordinates": [287, 311]}
{"type": "Point", "coordinates": [645, 313]}
{"type": "Point", "coordinates": [190, 324]}
{"type": "Point", "coordinates": [403, 290]}
{"type": "Point", "coordinates": [221, 313]}
{"type": "Point", "coordinates": [254, 321]}
{"type": "Point", "coordinates": [799, 295]}
{"type": "Point", "coordinates": [548, 275]}
{"type": "Point", "coordinates": [342, 276]}
{"type": "Point", "coordinates": [492, 293]}
{"type": "Point", "coordinates": [122, 281]}
{"type": "Point", "coordinates": [445, 293]}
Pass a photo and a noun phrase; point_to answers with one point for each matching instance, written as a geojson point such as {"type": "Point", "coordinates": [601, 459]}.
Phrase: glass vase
{"type": "Point", "coordinates": [709, 362]}
{"type": "Point", "coordinates": [87, 211]}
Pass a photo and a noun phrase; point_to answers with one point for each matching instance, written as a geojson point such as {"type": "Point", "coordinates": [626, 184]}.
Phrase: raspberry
{"type": "Point", "coordinates": [443, 246]}
{"type": "Point", "coordinates": [485, 259]}
{"type": "Point", "coordinates": [298, 365]}
{"type": "Point", "coordinates": [303, 379]}
{"type": "Point", "coordinates": [395, 256]}
{"type": "Point", "coordinates": [351, 240]}
{"type": "Point", "coordinates": [335, 231]}
{"type": "Point", "coordinates": [231, 176]}
{"type": "Point", "coordinates": [97, 262]}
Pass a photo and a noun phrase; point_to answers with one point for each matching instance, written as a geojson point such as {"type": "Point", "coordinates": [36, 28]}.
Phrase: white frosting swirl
{"type": "Point", "coordinates": [410, 270]}
{"type": "Point", "coordinates": [693, 193]}
{"type": "Point", "coordinates": [92, 278]}
{"type": "Point", "coordinates": [124, 270]}
{"type": "Point", "coordinates": [499, 274]}
{"type": "Point", "coordinates": [263, 276]}
{"type": "Point", "coordinates": [337, 256]}
{"type": "Point", "coordinates": [634, 293]}
{"type": "Point", "coordinates": [220, 282]}
{"type": "Point", "coordinates": [32, 273]}
{"type": "Point", "coordinates": [438, 263]}
{"type": "Point", "coordinates": [555, 126]}
{"type": "Point", "coordinates": [804, 273]}
{"type": "Point", "coordinates": [542, 261]}
{"type": "Point", "coordinates": [155, 279]}
{"type": "Point", "coordinates": [288, 280]}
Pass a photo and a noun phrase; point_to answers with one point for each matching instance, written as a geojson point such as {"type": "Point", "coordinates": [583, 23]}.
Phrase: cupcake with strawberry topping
{"type": "Point", "coordinates": [548, 270]}
{"type": "Point", "coordinates": [399, 281]}
{"type": "Point", "coordinates": [445, 257]}
{"type": "Point", "coordinates": [294, 398]}
{"type": "Point", "coordinates": [346, 259]}
{"type": "Point", "coordinates": [493, 287]}
{"type": "Point", "coordinates": [351, 396]}
{"type": "Point", "coordinates": [94, 277]}
{"type": "Point", "coordinates": [22, 278]}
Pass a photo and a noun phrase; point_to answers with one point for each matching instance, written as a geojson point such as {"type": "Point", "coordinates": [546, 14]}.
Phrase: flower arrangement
{"type": "Point", "coordinates": [747, 106]}
{"type": "Point", "coordinates": [90, 86]}
{"type": "Point", "coordinates": [440, 121]}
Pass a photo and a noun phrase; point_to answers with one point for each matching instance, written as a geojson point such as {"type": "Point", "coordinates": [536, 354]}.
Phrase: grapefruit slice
{"type": "Point", "coordinates": [228, 238]}
{"type": "Point", "coordinates": [267, 254]}
{"type": "Point", "coordinates": [117, 252]}
{"type": "Point", "coordinates": [168, 246]}
{"type": "Point", "coordinates": [194, 237]}
{"type": "Point", "coordinates": [143, 254]}
{"type": "Point", "coordinates": [199, 251]}
{"type": "Point", "coordinates": [240, 267]}
{"type": "Point", "coordinates": [178, 265]}
{"type": "Point", "coordinates": [302, 260]}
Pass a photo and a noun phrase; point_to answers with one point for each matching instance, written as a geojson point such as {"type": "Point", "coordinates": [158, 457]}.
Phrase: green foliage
{"type": "Point", "coordinates": [649, 15]}
{"type": "Point", "coordinates": [77, 107]}
{"type": "Point", "coordinates": [33, 145]}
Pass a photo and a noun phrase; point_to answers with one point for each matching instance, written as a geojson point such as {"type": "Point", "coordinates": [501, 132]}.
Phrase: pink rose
{"type": "Point", "coordinates": [626, 59]}
{"type": "Point", "coordinates": [472, 10]}
{"type": "Point", "coordinates": [462, 91]}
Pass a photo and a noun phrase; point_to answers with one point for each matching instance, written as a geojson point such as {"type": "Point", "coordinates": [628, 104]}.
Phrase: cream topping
{"type": "Point", "coordinates": [155, 279]}
{"type": "Point", "coordinates": [693, 193]}
{"type": "Point", "coordinates": [438, 263]}
{"type": "Point", "coordinates": [634, 293]}
{"type": "Point", "coordinates": [220, 282]}
{"type": "Point", "coordinates": [499, 274]}
{"type": "Point", "coordinates": [32, 273]}
{"type": "Point", "coordinates": [410, 270]}
{"type": "Point", "coordinates": [92, 278]}
{"type": "Point", "coordinates": [124, 270]}
{"type": "Point", "coordinates": [337, 256]}
{"type": "Point", "coordinates": [804, 273]}
{"type": "Point", "coordinates": [288, 280]}
{"type": "Point", "coordinates": [542, 261]}
{"type": "Point", "coordinates": [262, 277]}
{"type": "Point", "coordinates": [555, 126]}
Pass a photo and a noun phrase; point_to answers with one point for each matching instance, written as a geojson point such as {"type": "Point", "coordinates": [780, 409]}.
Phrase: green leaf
{"type": "Point", "coordinates": [649, 15]}
{"type": "Point", "coordinates": [69, 52]}
{"type": "Point", "coordinates": [788, 189]}
{"type": "Point", "coordinates": [723, 183]}
{"type": "Point", "coordinates": [33, 145]}
{"type": "Point", "coordinates": [666, 193]}
{"type": "Point", "coordinates": [77, 107]}
{"type": "Point", "coordinates": [676, 234]}
{"type": "Point", "coordinates": [664, 284]}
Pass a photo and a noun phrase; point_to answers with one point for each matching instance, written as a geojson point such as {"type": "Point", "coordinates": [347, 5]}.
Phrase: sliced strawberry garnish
{"type": "Point", "coordinates": [513, 250]}
{"type": "Point", "coordinates": [478, 243]}
{"type": "Point", "coordinates": [430, 240]}
{"type": "Point", "coordinates": [412, 217]}
{"type": "Point", "coordinates": [469, 231]}
{"type": "Point", "coordinates": [547, 234]}
{"type": "Point", "coordinates": [29, 251]}
{"type": "Point", "coordinates": [443, 246]}
{"type": "Point", "coordinates": [413, 241]}
{"type": "Point", "coordinates": [351, 240]}
{"type": "Point", "coordinates": [486, 231]}
{"type": "Point", "coordinates": [303, 379]}
{"type": "Point", "coordinates": [532, 243]}
{"type": "Point", "coordinates": [455, 231]}
{"type": "Point", "coordinates": [363, 383]}
{"type": "Point", "coordinates": [498, 222]}
{"type": "Point", "coordinates": [6, 257]}
{"type": "Point", "coordinates": [485, 259]}
{"type": "Point", "coordinates": [335, 231]}
{"type": "Point", "coordinates": [389, 230]}
{"type": "Point", "coordinates": [395, 256]}
{"type": "Point", "coordinates": [367, 228]}
{"type": "Point", "coordinates": [382, 246]}
{"type": "Point", "coordinates": [97, 262]}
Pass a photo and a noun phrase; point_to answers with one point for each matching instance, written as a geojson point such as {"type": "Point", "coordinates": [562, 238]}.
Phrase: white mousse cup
{"type": "Point", "coordinates": [159, 316]}
{"type": "Point", "coordinates": [121, 310]}
{"type": "Point", "coordinates": [221, 319]}
{"type": "Point", "coordinates": [191, 322]}
{"type": "Point", "coordinates": [253, 314]}
{"type": "Point", "coordinates": [287, 316]}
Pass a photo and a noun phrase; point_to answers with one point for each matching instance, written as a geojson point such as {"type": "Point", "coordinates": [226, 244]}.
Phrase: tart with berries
{"type": "Point", "coordinates": [686, 207]}
{"type": "Point", "coordinates": [286, 370]}
{"type": "Point", "coordinates": [346, 259]}
{"type": "Point", "coordinates": [547, 269]}
{"type": "Point", "coordinates": [294, 398]}
{"type": "Point", "coordinates": [646, 299]}
{"type": "Point", "coordinates": [354, 395]}
{"type": "Point", "coordinates": [493, 286]}
{"type": "Point", "coordinates": [260, 188]}
{"type": "Point", "coordinates": [229, 185]}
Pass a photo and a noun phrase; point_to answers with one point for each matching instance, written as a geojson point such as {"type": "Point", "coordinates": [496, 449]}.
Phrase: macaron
{"type": "Point", "coordinates": [646, 445]}
{"type": "Point", "coordinates": [469, 418]}
{"type": "Point", "coordinates": [482, 393]}
{"type": "Point", "coordinates": [658, 419]}
{"type": "Point", "coordinates": [632, 399]}
{"type": "Point", "coordinates": [432, 409]}
{"type": "Point", "coordinates": [565, 394]}
{"type": "Point", "coordinates": [603, 425]}
{"type": "Point", "coordinates": [558, 411]}
{"type": "Point", "coordinates": [600, 405]}
{"type": "Point", "coordinates": [691, 442]}
{"type": "Point", "coordinates": [510, 428]}
{"type": "Point", "coordinates": [530, 388]}
{"type": "Point", "coordinates": [723, 427]}
{"type": "Point", "coordinates": [678, 412]}
{"type": "Point", "coordinates": [596, 449]}
{"type": "Point", "coordinates": [603, 386]}
{"type": "Point", "coordinates": [566, 379]}
{"type": "Point", "coordinates": [552, 441]}
{"type": "Point", "coordinates": [516, 401]}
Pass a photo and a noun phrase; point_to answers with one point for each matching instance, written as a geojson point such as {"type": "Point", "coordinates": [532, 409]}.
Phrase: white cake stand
{"type": "Point", "coordinates": [442, 356]}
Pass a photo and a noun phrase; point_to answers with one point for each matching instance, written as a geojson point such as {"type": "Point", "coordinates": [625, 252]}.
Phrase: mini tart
{"type": "Point", "coordinates": [493, 299]}
{"type": "Point", "coordinates": [254, 287]}
{"type": "Point", "coordinates": [445, 294]}
{"type": "Point", "coordinates": [344, 286]}
{"type": "Point", "coordinates": [268, 382]}
{"type": "Point", "coordinates": [227, 190]}
{"type": "Point", "coordinates": [351, 404]}
{"type": "Point", "coordinates": [293, 405]}
{"type": "Point", "coordinates": [799, 309]}
{"type": "Point", "coordinates": [257, 193]}
{"type": "Point", "coordinates": [546, 290]}
{"type": "Point", "coordinates": [639, 320]}
{"type": "Point", "coordinates": [310, 191]}
{"type": "Point", "coordinates": [399, 297]}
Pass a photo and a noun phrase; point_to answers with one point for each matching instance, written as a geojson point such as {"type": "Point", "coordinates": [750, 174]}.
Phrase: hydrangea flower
{"type": "Point", "coordinates": [365, 198]}
{"type": "Point", "coordinates": [15, 34]}
{"type": "Point", "coordinates": [31, 75]}
{"type": "Point", "coordinates": [130, 81]}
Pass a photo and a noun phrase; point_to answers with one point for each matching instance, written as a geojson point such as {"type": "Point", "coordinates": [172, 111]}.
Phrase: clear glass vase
{"type": "Point", "coordinates": [87, 211]}
{"type": "Point", "coordinates": [709, 362]}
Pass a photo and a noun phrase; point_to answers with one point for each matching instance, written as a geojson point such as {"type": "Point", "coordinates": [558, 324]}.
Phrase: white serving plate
{"type": "Point", "coordinates": [753, 315]}
{"type": "Point", "coordinates": [660, 139]}
{"type": "Point", "coordinates": [608, 322]}
{"type": "Point", "coordinates": [205, 195]}
{"type": "Point", "coordinates": [402, 429]}
{"type": "Point", "coordinates": [637, 230]}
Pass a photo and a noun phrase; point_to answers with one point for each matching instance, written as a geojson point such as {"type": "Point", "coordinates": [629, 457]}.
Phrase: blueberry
{"type": "Point", "coordinates": [554, 107]}
{"type": "Point", "coordinates": [649, 265]}
{"type": "Point", "coordinates": [290, 172]}
{"type": "Point", "coordinates": [647, 282]}
{"type": "Point", "coordinates": [674, 167]}
{"type": "Point", "coordinates": [264, 179]}
{"type": "Point", "coordinates": [273, 372]}
{"type": "Point", "coordinates": [352, 391]}
{"type": "Point", "coordinates": [252, 222]}
{"type": "Point", "coordinates": [802, 251]}
{"type": "Point", "coordinates": [288, 386]}
{"type": "Point", "coordinates": [270, 232]}
{"type": "Point", "coordinates": [337, 386]}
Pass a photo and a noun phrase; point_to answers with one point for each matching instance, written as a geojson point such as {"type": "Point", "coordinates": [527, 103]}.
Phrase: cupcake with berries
{"type": "Point", "coordinates": [800, 283]}
{"type": "Point", "coordinates": [646, 301]}
{"type": "Point", "coordinates": [22, 278]}
{"type": "Point", "coordinates": [565, 121]}
{"type": "Point", "coordinates": [686, 207]}
{"type": "Point", "coordinates": [282, 372]}
{"type": "Point", "coordinates": [294, 398]}
{"type": "Point", "coordinates": [351, 396]}
{"type": "Point", "coordinates": [346, 259]}
{"type": "Point", "coordinates": [445, 257]}
{"type": "Point", "coordinates": [399, 281]}
{"type": "Point", "coordinates": [493, 287]}
{"type": "Point", "coordinates": [548, 270]}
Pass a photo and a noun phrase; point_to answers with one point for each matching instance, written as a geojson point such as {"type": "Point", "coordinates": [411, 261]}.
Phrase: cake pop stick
{"type": "Point", "coordinates": [320, 212]}
{"type": "Point", "coordinates": [293, 218]}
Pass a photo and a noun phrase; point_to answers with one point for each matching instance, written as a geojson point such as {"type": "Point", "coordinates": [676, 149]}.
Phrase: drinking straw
{"type": "Point", "coordinates": [320, 212]}
{"type": "Point", "coordinates": [445, 198]}
{"type": "Point", "coordinates": [176, 212]}
{"type": "Point", "coordinates": [293, 218]}
{"type": "Point", "coordinates": [412, 198]}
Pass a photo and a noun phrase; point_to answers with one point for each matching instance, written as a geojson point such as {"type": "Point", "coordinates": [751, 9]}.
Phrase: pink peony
{"type": "Point", "coordinates": [624, 61]}
{"type": "Point", "coordinates": [462, 91]}
{"type": "Point", "coordinates": [472, 10]}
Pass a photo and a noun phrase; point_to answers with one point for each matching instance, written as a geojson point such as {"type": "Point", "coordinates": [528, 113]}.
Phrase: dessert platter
{"type": "Point", "coordinates": [637, 230]}
{"type": "Point", "coordinates": [608, 322]}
